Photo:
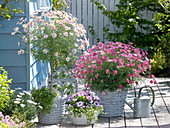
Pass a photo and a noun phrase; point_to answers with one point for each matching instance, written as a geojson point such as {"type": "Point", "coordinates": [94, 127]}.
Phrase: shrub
{"type": "Point", "coordinates": [4, 88]}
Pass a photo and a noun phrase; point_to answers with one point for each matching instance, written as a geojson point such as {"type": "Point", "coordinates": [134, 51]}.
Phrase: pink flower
{"type": "Point", "coordinates": [136, 82]}
{"type": "Point", "coordinates": [114, 72]}
{"type": "Point", "coordinates": [99, 61]}
{"type": "Point", "coordinates": [85, 72]}
{"type": "Point", "coordinates": [155, 82]}
{"type": "Point", "coordinates": [97, 75]}
{"type": "Point", "coordinates": [151, 81]}
{"type": "Point", "coordinates": [107, 71]}
{"type": "Point", "coordinates": [120, 86]}
{"type": "Point", "coordinates": [99, 68]}
{"type": "Point", "coordinates": [94, 66]}
{"type": "Point", "coordinates": [92, 71]}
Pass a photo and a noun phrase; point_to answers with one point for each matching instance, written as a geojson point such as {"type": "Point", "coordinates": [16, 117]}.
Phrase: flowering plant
{"type": "Point", "coordinates": [53, 36]}
{"type": "Point", "coordinates": [84, 103]}
{"type": "Point", "coordinates": [20, 102]}
{"type": "Point", "coordinates": [112, 66]}
{"type": "Point", "coordinates": [10, 122]}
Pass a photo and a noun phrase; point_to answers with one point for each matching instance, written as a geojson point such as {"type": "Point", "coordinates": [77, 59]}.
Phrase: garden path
{"type": "Point", "coordinates": [160, 112]}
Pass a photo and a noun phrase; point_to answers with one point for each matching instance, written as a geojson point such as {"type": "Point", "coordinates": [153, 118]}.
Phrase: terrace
{"type": "Point", "coordinates": [159, 118]}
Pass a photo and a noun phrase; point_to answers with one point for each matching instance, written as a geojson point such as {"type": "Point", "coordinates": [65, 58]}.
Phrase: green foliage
{"type": "Point", "coordinates": [58, 4]}
{"type": "Point", "coordinates": [131, 23]}
{"type": "Point", "coordinates": [4, 88]}
{"type": "Point", "coordinates": [3, 125]}
{"type": "Point", "coordinates": [44, 98]}
{"type": "Point", "coordinates": [163, 24]}
{"type": "Point", "coordinates": [158, 61]}
{"type": "Point", "coordinates": [23, 118]}
{"type": "Point", "coordinates": [20, 103]}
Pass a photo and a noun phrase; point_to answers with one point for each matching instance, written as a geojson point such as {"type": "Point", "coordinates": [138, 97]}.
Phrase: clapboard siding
{"type": "Point", "coordinates": [12, 41]}
{"type": "Point", "coordinates": [23, 69]}
{"type": "Point", "coordinates": [9, 59]}
{"type": "Point", "coordinates": [17, 73]}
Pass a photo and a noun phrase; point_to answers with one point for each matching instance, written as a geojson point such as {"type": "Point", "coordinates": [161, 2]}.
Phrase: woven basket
{"type": "Point", "coordinates": [56, 114]}
{"type": "Point", "coordinates": [113, 103]}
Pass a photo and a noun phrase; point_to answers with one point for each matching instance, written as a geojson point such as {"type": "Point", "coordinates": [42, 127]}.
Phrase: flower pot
{"type": "Point", "coordinates": [56, 114]}
{"type": "Point", "coordinates": [82, 120]}
{"type": "Point", "coordinates": [113, 102]}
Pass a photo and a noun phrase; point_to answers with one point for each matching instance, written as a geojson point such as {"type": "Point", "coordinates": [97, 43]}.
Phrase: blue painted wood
{"type": "Point", "coordinates": [8, 25]}
{"type": "Point", "coordinates": [17, 74]}
{"type": "Point", "coordinates": [19, 85]}
{"type": "Point", "coordinates": [23, 69]}
{"type": "Point", "coordinates": [11, 58]}
{"type": "Point", "coordinates": [12, 41]}
{"type": "Point", "coordinates": [41, 77]}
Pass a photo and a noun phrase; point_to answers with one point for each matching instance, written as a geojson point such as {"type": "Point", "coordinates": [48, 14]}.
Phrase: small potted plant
{"type": "Point", "coordinates": [48, 100]}
{"type": "Point", "coordinates": [110, 69]}
{"type": "Point", "coordinates": [83, 108]}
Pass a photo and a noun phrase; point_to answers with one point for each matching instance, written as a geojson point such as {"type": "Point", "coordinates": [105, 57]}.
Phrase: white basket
{"type": "Point", "coordinates": [113, 103]}
{"type": "Point", "coordinates": [56, 114]}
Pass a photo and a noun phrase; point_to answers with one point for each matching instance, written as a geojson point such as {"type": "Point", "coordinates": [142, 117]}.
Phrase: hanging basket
{"type": "Point", "coordinates": [56, 114]}
{"type": "Point", "coordinates": [113, 102]}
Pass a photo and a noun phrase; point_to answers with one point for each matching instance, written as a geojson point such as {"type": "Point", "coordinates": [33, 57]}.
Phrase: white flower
{"type": "Point", "coordinates": [27, 93]}
{"type": "Point", "coordinates": [22, 105]}
{"type": "Point", "coordinates": [74, 50]}
{"type": "Point", "coordinates": [65, 33]}
{"type": "Point", "coordinates": [16, 29]}
{"type": "Point", "coordinates": [18, 99]}
{"type": "Point", "coordinates": [67, 58]}
{"type": "Point", "coordinates": [21, 93]}
{"type": "Point", "coordinates": [13, 33]}
{"type": "Point", "coordinates": [56, 54]}
{"type": "Point", "coordinates": [40, 107]}
{"type": "Point", "coordinates": [16, 102]}
{"type": "Point", "coordinates": [76, 45]}
{"type": "Point", "coordinates": [31, 102]}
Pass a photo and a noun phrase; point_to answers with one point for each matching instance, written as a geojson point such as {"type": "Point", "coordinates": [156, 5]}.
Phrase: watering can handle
{"type": "Point", "coordinates": [153, 94]}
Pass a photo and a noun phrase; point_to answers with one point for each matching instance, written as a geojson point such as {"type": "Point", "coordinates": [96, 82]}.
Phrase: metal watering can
{"type": "Point", "coordinates": [142, 105]}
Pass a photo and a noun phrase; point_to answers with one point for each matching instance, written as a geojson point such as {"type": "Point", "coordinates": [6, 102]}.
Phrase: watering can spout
{"type": "Point", "coordinates": [130, 106]}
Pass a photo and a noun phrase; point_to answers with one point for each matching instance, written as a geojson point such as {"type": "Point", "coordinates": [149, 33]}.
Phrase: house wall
{"type": "Point", "coordinates": [23, 69]}
{"type": "Point", "coordinates": [17, 66]}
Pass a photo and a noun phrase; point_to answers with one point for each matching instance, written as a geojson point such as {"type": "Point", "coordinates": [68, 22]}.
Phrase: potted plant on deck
{"type": "Point", "coordinates": [110, 69]}
{"type": "Point", "coordinates": [83, 108]}
{"type": "Point", "coordinates": [52, 36]}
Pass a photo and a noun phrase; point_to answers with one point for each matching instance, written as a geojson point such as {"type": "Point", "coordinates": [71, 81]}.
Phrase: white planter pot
{"type": "Point", "coordinates": [81, 120]}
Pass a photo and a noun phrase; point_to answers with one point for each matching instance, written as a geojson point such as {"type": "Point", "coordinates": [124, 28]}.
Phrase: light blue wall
{"type": "Point", "coordinates": [23, 69]}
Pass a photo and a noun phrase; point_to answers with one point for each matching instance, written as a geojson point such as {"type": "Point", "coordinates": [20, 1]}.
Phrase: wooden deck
{"type": "Point", "coordinates": [160, 112]}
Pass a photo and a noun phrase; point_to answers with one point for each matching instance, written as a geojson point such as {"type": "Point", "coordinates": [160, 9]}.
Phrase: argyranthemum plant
{"type": "Point", "coordinates": [112, 66]}
{"type": "Point", "coordinates": [53, 36]}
